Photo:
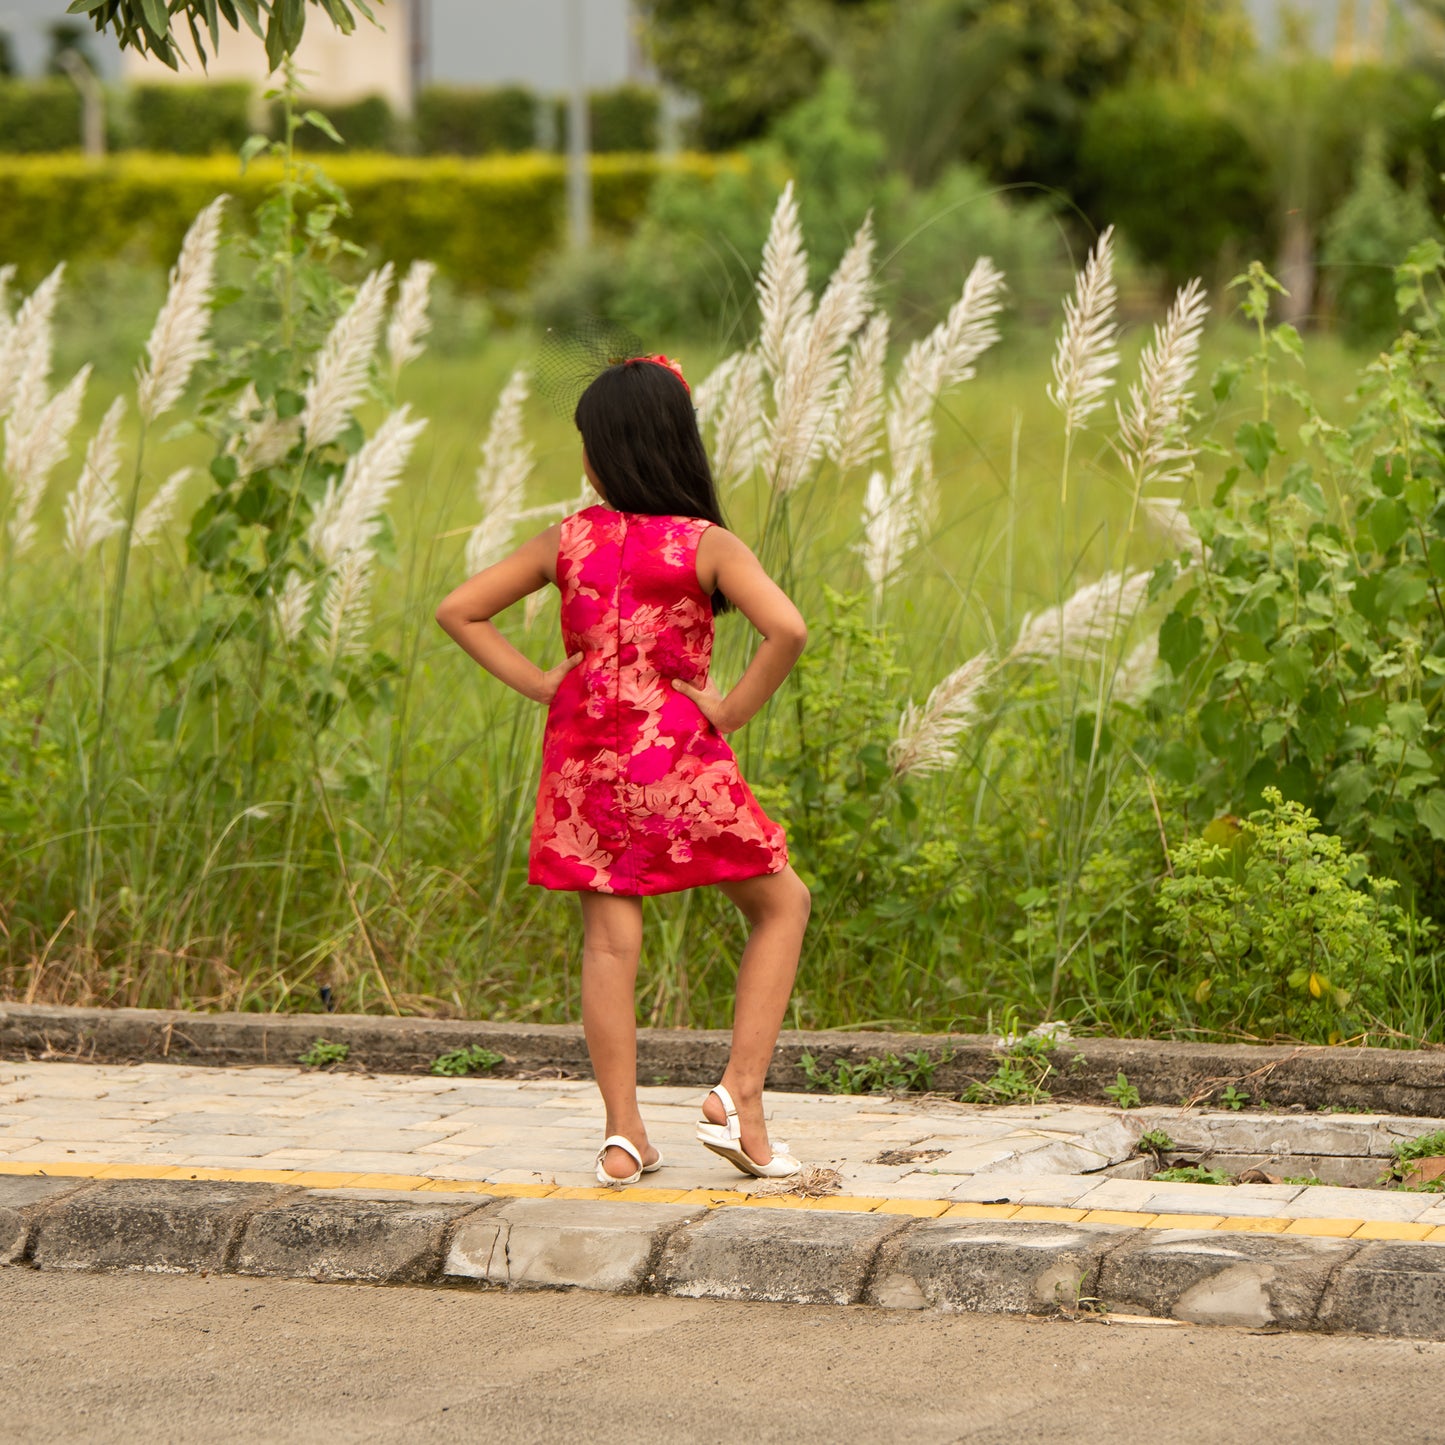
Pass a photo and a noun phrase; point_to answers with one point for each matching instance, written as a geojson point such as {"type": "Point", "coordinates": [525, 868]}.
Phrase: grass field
{"type": "Point", "coordinates": [236, 860]}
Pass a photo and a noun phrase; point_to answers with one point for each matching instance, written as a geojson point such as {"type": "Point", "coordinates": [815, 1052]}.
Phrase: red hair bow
{"type": "Point", "coordinates": [675, 367]}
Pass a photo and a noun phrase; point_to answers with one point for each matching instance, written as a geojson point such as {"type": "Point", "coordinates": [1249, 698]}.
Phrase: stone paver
{"type": "Point", "coordinates": [1069, 1159]}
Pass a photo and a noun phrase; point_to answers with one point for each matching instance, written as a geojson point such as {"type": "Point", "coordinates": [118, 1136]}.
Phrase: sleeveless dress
{"type": "Point", "coordinates": [640, 794]}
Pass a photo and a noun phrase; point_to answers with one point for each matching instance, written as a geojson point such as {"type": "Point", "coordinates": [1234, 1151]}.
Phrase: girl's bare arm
{"type": "Point", "coordinates": [466, 616]}
{"type": "Point", "coordinates": [726, 562]}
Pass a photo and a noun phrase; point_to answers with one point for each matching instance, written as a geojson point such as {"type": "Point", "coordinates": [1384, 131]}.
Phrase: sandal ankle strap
{"type": "Point", "coordinates": [730, 1112]}
{"type": "Point", "coordinates": [616, 1141]}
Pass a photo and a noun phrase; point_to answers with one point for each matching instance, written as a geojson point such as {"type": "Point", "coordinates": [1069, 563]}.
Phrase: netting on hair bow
{"type": "Point", "coordinates": [571, 360]}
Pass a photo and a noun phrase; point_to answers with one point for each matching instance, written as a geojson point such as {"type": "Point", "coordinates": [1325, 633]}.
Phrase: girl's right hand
{"type": "Point", "coordinates": [552, 679]}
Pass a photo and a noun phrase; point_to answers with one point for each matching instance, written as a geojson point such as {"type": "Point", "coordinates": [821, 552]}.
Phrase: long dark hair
{"type": "Point", "coordinates": [641, 436]}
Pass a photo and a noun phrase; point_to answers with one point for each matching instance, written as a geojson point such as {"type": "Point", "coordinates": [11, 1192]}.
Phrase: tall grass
{"type": "Point", "coordinates": [232, 775]}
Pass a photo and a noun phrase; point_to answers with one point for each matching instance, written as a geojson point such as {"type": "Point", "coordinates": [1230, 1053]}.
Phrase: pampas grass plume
{"type": "Point", "coordinates": [1083, 626]}
{"type": "Point", "coordinates": [1087, 349]}
{"type": "Point", "coordinates": [346, 519]}
{"type": "Point", "coordinates": [91, 511]}
{"type": "Point", "coordinates": [805, 389]}
{"type": "Point", "coordinates": [783, 299]}
{"type": "Point", "coordinates": [33, 452]}
{"type": "Point", "coordinates": [157, 514]}
{"type": "Point", "coordinates": [178, 339]}
{"type": "Point", "coordinates": [26, 347]}
{"type": "Point", "coordinates": [292, 605]}
{"type": "Point", "coordinates": [741, 422]}
{"type": "Point", "coordinates": [410, 320]}
{"type": "Point", "coordinates": [344, 609]}
{"type": "Point", "coordinates": [854, 437]}
{"type": "Point", "coordinates": [338, 384]}
{"type": "Point", "coordinates": [502, 476]}
{"type": "Point", "coordinates": [926, 735]}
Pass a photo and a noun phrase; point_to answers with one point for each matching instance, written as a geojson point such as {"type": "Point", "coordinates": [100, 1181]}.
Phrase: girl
{"type": "Point", "coordinates": [640, 794]}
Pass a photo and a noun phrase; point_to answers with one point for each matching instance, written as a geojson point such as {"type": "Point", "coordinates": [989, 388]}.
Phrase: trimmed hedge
{"type": "Point", "coordinates": [190, 120]}
{"type": "Point", "coordinates": [368, 124]}
{"type": "Point", "coordinates": [459, 121]}
{"type": "Point", "coordinates": [486, 223]}
{"type": "Point", "coordinates": [624, 119]}
{"type": "Point", "coordinates": [39, 115]}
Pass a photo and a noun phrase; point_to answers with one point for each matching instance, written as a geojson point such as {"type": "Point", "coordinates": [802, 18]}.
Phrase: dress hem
{"type": "Point", "coordinates": [658, 892]}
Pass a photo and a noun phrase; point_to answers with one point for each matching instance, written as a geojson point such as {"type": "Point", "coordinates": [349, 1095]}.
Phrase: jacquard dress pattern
{"type": "Point", "coordinates": [640, 794]}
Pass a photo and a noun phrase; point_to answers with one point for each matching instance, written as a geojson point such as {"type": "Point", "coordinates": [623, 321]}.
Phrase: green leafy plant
{"type": "Point", "coordinates": [1271, 928]}
{"type": "Point", "coordinates": [1307, 646]}
{"type": "Point", "coordinates": [473, 1059]}
{"type": "Point", "coordinates": [1123, 1093]}
{"type": "Point", "coordinates": [1154, 1141]}
{"type": "Point", "coordinates": [322, 1054]}
{"type": "Point", "coordinates": [1191, 1174]}
{"type": "Point", "coordinates": [1301, 1179]}
{"type": "Point", "coordinates": [1021, 1075]}
{"type": "Point", "coordinates": [1233, 1098]}
{"type": "Point", "coordinates": [886, 1074]}
{"type": "Point", "coordinates": [1405, 1153]}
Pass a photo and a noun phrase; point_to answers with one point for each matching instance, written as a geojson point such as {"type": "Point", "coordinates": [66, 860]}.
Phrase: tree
{"type": "Point", "coordinates": [1000, 82]}
{"type": "Point", "coordinates": [748, 61]}
{"type": "Point", "coordinates": [147, 25]}
{"type": "Point", "coordinates": [1010, 80]}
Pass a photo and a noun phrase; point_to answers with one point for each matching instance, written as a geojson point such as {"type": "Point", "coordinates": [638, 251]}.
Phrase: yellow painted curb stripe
{"type": "Point", "coordinates": [1364, 1229]}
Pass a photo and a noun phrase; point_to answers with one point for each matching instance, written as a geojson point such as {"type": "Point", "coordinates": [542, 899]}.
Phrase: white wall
{"type": "Point", "coordinates": [498, 42]}
{"type": "Point", "coordinates": [472, 42]}
{"type": "Point", "coordinates": [372, 60]}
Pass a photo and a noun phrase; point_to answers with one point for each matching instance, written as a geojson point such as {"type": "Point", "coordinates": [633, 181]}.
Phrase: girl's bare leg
{"type": "Point", "coordinates": [611, 947]}
{"type": "Point", "coordinates": [776, 907]}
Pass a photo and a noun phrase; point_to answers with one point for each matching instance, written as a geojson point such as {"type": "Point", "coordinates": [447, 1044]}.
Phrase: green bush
{"type": "Point", "coordinates": [42, 115]}
{"type": "Point", "coordinates": [624, 119]}
{"type": "Point", "coordinates": [452, 120]}
{"type": "Point", "coordinates": [1309, 650]}
{"type": "Point", "coordinates": [1272, 932]}
{"type": "Point", "coordinates": [190, 120]}
{"type": "Point", "coordinates": [368, 124]}
{"type": "Point", "coordinates": [486, 223]}
{"type": "Point", "coordinates": [1177, 175]}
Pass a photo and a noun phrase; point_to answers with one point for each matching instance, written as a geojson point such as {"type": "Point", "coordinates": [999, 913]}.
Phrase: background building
{"type": "Point", "coordinates": [453, 42]}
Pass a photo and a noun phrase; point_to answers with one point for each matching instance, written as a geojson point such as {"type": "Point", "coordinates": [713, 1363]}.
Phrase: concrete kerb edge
{"type": "Point", "coordinates": [1410, 1082]}
{"type": "Point", "coordinates": [1401, 1315]}
{"type": "Point", "coordinates": [38, 1212]}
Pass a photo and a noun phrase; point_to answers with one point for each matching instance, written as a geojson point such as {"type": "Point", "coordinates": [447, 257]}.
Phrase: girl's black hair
{"type": "Point", "coordinates": [640, 431]}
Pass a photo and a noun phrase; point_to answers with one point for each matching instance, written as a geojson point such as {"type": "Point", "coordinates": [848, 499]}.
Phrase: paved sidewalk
{"type": "Point", "coordinates": [929, 1158]}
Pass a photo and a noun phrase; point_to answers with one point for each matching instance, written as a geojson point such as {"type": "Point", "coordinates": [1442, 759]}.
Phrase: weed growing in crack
{"type": "Point", "coordinates": [1020, 1076]}
{"type": "Point", "coordinates": [322, 1054]}
{"type": "Point", "coordinates": [474, 1059]}
{"type": "Point", "coordinates": [886, 1074]}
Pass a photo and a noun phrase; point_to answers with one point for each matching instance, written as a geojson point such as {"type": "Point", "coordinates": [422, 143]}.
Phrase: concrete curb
{"type": "Point", "coordinates": [798, 1256]}
{"type": "Point", "coordinates": [1391, 1081]}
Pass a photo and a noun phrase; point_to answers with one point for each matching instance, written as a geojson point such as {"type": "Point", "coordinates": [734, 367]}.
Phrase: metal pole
{"type": "Point", "coordinates": [579, 140]}
{"type": "Point", "coordinates": [420, 46]}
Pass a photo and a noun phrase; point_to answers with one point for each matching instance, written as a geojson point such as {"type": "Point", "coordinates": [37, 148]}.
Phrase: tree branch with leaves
{"type": "Point", "coordinates": [149, 25]}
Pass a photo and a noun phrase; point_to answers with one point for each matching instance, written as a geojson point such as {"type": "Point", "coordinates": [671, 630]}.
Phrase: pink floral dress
{"type": "Point", "coordinates": [640, 794]}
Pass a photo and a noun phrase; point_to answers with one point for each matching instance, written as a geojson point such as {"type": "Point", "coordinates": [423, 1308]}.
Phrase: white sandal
{"type": "Point", "coordinates": [726, 1140]}
{"type": "Point", "coordinates": [616, 1141]}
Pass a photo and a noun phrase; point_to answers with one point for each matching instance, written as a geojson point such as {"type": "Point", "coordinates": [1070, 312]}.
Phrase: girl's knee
{"type": "Point", "coordinates": [793, 900]}
{"type": "Point", "coordinates": [803, 898]}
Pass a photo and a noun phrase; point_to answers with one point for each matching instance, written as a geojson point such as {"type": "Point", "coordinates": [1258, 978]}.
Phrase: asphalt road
{"type": "Point", "coordinates": [153, 1358]}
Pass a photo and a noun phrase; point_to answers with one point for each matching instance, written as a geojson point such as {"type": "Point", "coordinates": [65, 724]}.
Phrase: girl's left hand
{"type": "Point", "coordinates": [552, 679]}
{"type": "Point", "coordinates": [710, 703]}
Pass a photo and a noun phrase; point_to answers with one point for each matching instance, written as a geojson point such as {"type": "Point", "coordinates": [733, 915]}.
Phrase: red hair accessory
{"type": "Point", "coordinates": [675, 367]}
